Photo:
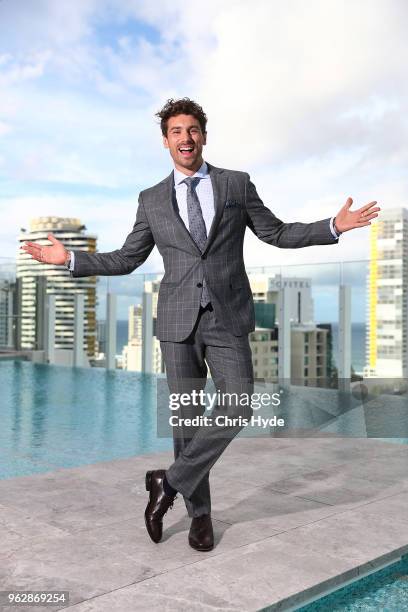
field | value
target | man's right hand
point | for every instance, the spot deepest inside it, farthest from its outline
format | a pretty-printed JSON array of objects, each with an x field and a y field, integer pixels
[{"x": 55, "y": 254}]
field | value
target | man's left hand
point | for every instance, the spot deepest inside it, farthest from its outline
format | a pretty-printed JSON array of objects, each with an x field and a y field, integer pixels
[{"x": 347, "y": 219}]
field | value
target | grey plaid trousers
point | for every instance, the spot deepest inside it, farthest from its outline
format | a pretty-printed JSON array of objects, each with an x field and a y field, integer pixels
[{"x": 197, "y": 448}]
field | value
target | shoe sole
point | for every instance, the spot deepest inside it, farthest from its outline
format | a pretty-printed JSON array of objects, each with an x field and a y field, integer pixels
[{"x": 202, "y": 549}]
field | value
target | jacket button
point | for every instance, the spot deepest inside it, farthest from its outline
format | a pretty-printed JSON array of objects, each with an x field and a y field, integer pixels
[
  {"x": 203, "y": 256},
  {"x": 199, "y": 284}
]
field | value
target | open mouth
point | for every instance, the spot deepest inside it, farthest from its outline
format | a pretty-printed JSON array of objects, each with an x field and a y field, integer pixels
[{"x": 186, "y": 151}]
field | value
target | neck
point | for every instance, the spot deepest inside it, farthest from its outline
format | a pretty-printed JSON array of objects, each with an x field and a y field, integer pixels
[{"x": 190, "y": 171}]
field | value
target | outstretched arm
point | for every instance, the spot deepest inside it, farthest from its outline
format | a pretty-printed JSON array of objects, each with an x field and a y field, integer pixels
[
  {"x": 267, "y": 227},
  {"x": 135, "y": 250}
]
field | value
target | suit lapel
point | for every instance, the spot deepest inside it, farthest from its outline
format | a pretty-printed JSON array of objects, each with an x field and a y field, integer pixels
[{"x": 219, "y": 182}]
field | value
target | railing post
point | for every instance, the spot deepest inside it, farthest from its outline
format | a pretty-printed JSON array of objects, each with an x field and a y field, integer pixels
[
  {"x": 79, "y": 302},
  {"x": 49, "y": 329},
  {"x": 10, "y": 318},
  {"x": 147, "y": 332},
  {"x": 344, "y": 373},
  {"x": 284, "y": 338},
  {"x": 40, "y": 312},
  {"x": 18, "y": 312},
  {"x": 110, "y": 331}
]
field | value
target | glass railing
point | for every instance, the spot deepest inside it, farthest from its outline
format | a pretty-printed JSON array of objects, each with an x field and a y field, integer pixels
[{"x": 313, "y": 298}]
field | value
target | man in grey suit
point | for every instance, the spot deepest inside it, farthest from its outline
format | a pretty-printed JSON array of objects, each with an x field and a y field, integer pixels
[{"x": 197, "y": 217}]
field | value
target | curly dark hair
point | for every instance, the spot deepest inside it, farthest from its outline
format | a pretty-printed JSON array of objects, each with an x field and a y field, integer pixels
[{"x": 183, "y": 106}]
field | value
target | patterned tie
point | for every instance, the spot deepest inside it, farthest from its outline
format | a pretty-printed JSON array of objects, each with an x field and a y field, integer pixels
[{"x": 196, "y": 224}]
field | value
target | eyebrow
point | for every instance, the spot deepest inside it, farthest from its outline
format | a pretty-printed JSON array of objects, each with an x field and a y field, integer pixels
[{"x": 178, "y": 127}]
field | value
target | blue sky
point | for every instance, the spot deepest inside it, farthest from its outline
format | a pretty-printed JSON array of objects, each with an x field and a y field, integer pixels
[{"x": 310, "y": 98}]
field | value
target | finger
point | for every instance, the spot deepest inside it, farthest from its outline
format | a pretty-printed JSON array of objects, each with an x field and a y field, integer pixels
[
  {"x": 371, "y": 216},
  {"x": 366, "y": 207},
  {"x": 368, "y": 214},
  {"x": 32, "y": 244},
  {"x": 33, "y": 252},
  {"x": 367, "y": 211},
  {"x": 363, "y": 222},
  {"x": 366, "y": 217},
  {"x": 35, "y": 255},
  {"x": 348, "y": 203},
  {"x": 32, "y": 247},
  {"x": 52, "y": 239}
]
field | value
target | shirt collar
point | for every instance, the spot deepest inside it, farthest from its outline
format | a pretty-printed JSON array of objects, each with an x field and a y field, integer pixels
[{"x": 202, "y": 173}]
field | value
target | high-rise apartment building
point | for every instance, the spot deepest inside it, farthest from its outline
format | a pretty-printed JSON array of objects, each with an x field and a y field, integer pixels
[
  {"x": 7, "y": 297},
  {"x": 309, "y": 363},
  {"x": 308, "y": 354},
  {"x": 135, "y": 322},
  {"x": 388, "y": 296},
  {"x": 72, "y": 234},
  {"x": 142, "y": 352},
  {"x": 265, "y": 289},
  {"x": 132, "y": 351}
]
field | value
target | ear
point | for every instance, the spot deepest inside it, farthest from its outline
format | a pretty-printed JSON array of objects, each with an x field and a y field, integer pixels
[
  {"x": 165, "y": 142},
  {"x": 205, "y": 138}
]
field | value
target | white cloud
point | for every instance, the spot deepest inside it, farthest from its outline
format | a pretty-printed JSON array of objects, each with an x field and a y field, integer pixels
[
  {"x": 307, "y": 97},
  {"x": 4, "y": 128}
]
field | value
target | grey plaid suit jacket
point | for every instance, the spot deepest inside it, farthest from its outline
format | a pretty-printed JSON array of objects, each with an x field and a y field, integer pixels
[{"x": 237, "y": 206}]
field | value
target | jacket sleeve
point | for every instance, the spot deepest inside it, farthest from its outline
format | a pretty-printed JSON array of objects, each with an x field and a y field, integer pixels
[
  {"x": 134, "y": 251},
  {"x": 267, "y": 227}
]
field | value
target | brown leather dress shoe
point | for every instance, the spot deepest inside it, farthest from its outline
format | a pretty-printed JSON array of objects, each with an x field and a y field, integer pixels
[
  {"x": 158, "y": 504},
  {"x": 201, "y": 536}
]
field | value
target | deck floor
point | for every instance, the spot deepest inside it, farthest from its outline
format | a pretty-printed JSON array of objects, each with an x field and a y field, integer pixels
[{"x": 292, "y": 517}]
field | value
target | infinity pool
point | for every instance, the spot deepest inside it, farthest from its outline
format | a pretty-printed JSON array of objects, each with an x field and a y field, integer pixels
[
  {"x": 54, "y": 417},
  {"x": 382, "y": 591}
]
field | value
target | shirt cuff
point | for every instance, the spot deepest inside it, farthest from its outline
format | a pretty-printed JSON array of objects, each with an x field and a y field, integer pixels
[
  {"x": 71, "y": 261},
  {"x": 335, "y": 234}
]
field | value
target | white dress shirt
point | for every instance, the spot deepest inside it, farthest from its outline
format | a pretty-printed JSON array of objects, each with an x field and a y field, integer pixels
[
  {"x": 205, "y": 195},
  {"x": 204, "y": 192}
]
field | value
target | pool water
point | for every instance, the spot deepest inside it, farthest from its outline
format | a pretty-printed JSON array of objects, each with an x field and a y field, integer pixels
[
  {"x": 382, "y": 591},
  {"x": 53, "y": 416}
]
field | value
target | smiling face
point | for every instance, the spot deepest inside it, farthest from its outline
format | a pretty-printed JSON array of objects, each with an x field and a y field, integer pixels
[{"x": 185, "y": 141}]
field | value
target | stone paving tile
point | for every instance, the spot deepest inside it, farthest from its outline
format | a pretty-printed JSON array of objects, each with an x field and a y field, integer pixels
[
  {"x": 18, "y": 526},
  {"x": 245, "y": 579},
  {"x": 395, "y": 508},
  {"x": 262, "y": 506},
  {"x": 276, "y": 460},
  {"x": 69, "y": 563},
  {"x": 358, "y": 535},
  {"x": 173, "y": 551},
  {"x": 342, "y": 487}
]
